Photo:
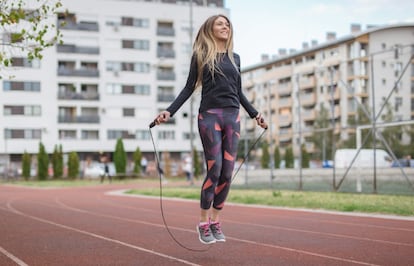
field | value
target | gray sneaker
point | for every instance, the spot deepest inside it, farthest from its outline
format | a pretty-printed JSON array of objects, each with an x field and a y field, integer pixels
[
  {"x": 205, "y": 235},
  {"x": 217, "y": 233}
]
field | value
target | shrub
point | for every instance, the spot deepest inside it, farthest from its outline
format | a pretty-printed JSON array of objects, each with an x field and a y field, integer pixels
[{"x": 73, "y": 165}]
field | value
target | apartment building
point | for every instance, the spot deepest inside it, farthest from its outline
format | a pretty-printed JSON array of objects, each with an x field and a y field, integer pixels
[
  {"x": 120, "y": 64},
  {"x": 339, "y": 74}
]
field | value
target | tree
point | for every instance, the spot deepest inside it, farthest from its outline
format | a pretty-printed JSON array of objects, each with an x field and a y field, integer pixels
[
  {"x": 196, "y": 163},
  {"x": 73, "y": 165},
  {"x": 42, "y": 163},
  {"x": 265, "y": 155},
  {"x": 120, "y": 157},
  {"x": 57, "y": 162},
  {"x": 322, "y": 137},
  {"x": 28, "y": 28},
  {"x": 137, "y": 161},
  {"x": 359, "y": 119},
  {"x": 26, "y": 165},
  {"x": 289, "y": 158},
  {"x": 276, "y": 157},
  {"x": 305, "y": 157}
]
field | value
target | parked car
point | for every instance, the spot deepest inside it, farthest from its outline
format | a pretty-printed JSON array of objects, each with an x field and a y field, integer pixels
[
  {"x": 403, "y": 163},
  {"x": 96, "y": 169}
]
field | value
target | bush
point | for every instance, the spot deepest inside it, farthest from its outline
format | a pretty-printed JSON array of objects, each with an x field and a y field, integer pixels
[
  {"x": 57, "y": 162},
  {"x": 265, "y": 155},
  {"x": 137, "y": 161},
  {"x": 289, "y": 159},
  {"x": 73, "y": 165},
  {"x": 120, "y": 157},
  {"x": 26, "y": 165},
  {"x": 42, "y": 163}
]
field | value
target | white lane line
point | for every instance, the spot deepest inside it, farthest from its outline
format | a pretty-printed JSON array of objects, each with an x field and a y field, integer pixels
[
  {"x": 9, "y": 206},
  {"x": 233, "y": 238},
  {"x": 12, "y": 257},
  {"x": 314, "y": 232}
]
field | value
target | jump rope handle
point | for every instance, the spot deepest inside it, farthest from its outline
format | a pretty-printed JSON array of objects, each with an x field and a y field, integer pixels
[{"x": 152, "y": 124}]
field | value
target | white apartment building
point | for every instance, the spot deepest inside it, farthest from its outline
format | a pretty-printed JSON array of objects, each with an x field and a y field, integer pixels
[
  {"x": 362, "y": 67},
  {"x": 122, "y": 61}
]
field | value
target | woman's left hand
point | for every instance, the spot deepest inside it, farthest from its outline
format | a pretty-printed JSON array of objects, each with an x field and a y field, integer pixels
[{"x": 260, "y": 121}]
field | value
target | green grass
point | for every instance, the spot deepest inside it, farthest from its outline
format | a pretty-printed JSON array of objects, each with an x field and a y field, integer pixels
[
  {"x": 402, "y": 205},
  {"x": 345, "y": 202}
]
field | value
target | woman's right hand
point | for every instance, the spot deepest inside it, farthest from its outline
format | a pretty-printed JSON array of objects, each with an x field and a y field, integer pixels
[{"x": 162, "y": 117}]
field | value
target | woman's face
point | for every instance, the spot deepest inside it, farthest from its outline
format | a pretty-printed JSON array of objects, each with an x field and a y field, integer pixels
[{"x": 221, "y": 29}]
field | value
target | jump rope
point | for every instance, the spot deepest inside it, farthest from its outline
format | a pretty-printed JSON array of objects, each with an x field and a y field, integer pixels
[{"x": 157, "y": 161}]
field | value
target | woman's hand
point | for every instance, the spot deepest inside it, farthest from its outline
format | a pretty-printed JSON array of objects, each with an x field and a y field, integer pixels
[
  {"x": 260, "y": 121},
  {"x": 162, "y": 117}
]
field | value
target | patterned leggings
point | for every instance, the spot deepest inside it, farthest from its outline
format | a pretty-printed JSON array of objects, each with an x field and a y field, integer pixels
[{"x": 219, "y": 132}]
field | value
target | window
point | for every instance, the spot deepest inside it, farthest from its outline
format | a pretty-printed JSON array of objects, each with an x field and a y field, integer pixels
[
  {"x": 135, "y": 22},
  {"x": 21, "y": 86},
  {"x": 24, "y": 62},
  {"x": 128, "y": 112},
  {"x": 29, "y": 110},
  {"x": 90, "y": 134},
  {"x": 67, "y": 134},
  {"x": 142, "y": 135},
  {"x": 136, "y": 44},
  {"x": 166, "y": 135},
  {"x": 23, "y": 134}
]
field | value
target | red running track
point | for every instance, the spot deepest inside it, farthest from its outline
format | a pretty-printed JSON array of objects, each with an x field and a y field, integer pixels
[{"x": 88, "y": 226}]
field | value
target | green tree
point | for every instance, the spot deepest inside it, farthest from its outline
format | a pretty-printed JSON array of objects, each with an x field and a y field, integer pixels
[
  {"x": 28, "y": 27},
  {"x": 196, "y": 164},
  {"x": 276, "y": 157},
  {"x": 305, "y": 157},
  {"x": 265, "y": 155},
  {"x": 26, "y": 165},
  {"x": 57, "y": 162},
  {"x": 42, "y": 163},
  {"x": 359, "y": 119},
  {"x": 73, "y": 165},
  {"x": 322, "y": 137},
  {"x": 137, "y": 161},
  {"x": 120, "y": 157},
  {"x": 393, "y": 135},
  {"x": 289, "y": 159}
]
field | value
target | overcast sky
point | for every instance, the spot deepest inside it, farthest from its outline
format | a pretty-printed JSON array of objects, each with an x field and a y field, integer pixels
[{"x": 265, "y": 26}]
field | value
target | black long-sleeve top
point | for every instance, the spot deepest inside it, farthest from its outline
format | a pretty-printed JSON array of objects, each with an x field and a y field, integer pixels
[{"x": 222, "y": 91}]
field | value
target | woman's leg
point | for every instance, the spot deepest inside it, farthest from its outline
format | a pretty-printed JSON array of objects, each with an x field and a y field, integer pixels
[{"x": 210, "y": 125}]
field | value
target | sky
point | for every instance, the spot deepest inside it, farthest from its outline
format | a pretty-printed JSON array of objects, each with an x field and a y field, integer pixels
[{"x": 265, "y": 26}]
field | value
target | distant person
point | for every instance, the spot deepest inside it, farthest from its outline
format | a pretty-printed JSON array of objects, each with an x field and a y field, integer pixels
[
  {"x": 188, "y": 169},
  {"x": 144, "y": 164},
  {"x": 216, "y": 69},
  {"x": 105, "y": 161}
]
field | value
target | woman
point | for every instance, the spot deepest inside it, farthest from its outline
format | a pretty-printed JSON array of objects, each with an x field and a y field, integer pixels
[{"x": 216, "y": 69}]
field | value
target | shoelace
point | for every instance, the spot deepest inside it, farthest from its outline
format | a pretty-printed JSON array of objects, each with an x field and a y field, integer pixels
[
  {"x": 206, "y": 229},
  {"x": 216, "y": 227}
]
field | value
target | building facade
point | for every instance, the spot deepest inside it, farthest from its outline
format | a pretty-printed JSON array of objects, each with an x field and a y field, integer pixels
[
  {"x": 121, "y": 62},
  {"x": 368, "y": 68}
]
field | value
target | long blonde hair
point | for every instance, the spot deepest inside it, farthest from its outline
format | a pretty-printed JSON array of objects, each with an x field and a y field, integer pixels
[{"x": 205, "y": 48}]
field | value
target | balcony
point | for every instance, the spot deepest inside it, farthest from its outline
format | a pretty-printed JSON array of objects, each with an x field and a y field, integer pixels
[
  {"x": 165, "y": 75},
  {"x": 285, "y": 120},
  {"x": 165, "y": 97},
  {"x": 71, "y": 72},
  {"x": 308, "y": 99},
  {"x": 82, "y": 119},
  {"x": 308, "y": 115},
  {"x": 74, "y": 49},
  {"x": 83, "y": 26},
  {"x": 70, "y": 95},
  {"x": 165, "y": 53},
  {"x": 165, "y": 31},
  {"x": 285, "y": 102}
]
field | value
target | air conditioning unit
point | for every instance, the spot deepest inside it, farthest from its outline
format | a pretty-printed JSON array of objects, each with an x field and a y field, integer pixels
[
  {"x": 116, "y": 73},
  {"x": 116, "y": 28}
]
